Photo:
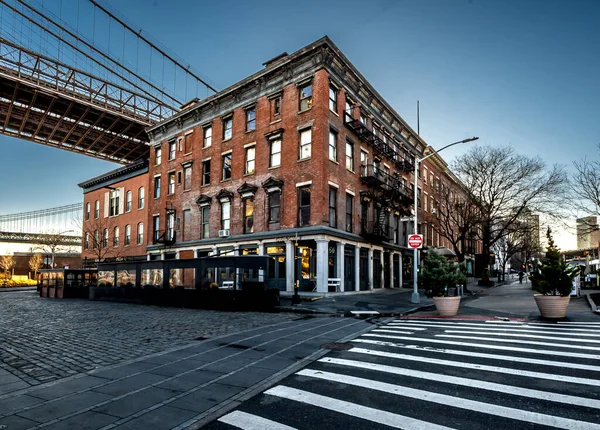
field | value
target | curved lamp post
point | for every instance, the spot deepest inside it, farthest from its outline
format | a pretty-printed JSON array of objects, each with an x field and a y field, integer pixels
[{"x": 415, "y": 295}]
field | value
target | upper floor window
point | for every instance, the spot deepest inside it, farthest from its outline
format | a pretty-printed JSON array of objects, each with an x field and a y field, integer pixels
[
  {"x": 114, "y": 203},
  {"x": 187, "y": 143},
  {"x": 276, "y": 106},
  {"x": 127, "y": 235},
  {"x": 333, "y": 94},
  {"x": 349, "y": 211},
  {"x": 274, "y": 206},
  {"x": 205, "y": 214},
  {"x": 225, "y": 215},
  {"x": 128, "y": 201},
  {"x": 275, "y": 153},
  {"x": 87, "y": 211},
  {"x": 332, "y": 207},
  {"x": 96, "y": 239},
  {"x": 171, "y": 183},
  {"x": 305, "y": 97},
  {"x": 350, "y": 156},
  {"x": 227, "y": 127},
  {"x": 156, "y": 226},
  {"x": 141, "y": 197},
  {"x": 157, "y": 187},
  {"x": 116, "y": 236},
  {"x": 248, "y": 216},
  {"x": 97, "y": 209},
  {"x": 86, "y": 242},
  {"x": 157, "y": 155},
  {"x": 227, "y": 166},
  {"x": 305, "y": 144},
  {"x": 251, "y": 119},
  {"x": 140, "y": 233},
  {"x": 250, "y": 159},
  {"x": 172, "y": 149},
  {"x": 206, "y": 172},
  {"x": 333, "y": 145},
  {"x": 187, "y": 178},
  {"x": 105, "y": 238},
  {"x": 207, "y": 136},
  {"x": 303, "y": 206}
]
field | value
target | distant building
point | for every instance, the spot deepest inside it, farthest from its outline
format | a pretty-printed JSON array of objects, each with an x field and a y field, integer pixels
[{"x": 588, "y": 232}]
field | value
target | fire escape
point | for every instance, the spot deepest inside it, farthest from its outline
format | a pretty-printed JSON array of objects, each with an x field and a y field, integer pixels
[
  {"x": 386, "y": 190},
  {"x": 167, "y": 236}
]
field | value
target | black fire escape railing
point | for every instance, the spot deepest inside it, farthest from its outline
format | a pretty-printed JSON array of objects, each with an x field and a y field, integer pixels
[
  {"x": 166, "y": 237},
  {"x": 375, "y": 230},
  {"x": 390, "y": 186}
]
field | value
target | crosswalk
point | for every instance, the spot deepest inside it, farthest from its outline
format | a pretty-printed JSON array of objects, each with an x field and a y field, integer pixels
[{"x": 441, "y": 374}]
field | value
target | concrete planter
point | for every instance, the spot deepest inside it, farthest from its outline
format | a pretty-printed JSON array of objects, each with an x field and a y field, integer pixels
[
  {"x": 447, "y": 306},
  {"x": 552, "y": 306}
]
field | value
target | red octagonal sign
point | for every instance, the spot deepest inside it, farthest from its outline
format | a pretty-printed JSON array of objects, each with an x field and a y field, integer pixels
[{"x": 415, "y": 240}]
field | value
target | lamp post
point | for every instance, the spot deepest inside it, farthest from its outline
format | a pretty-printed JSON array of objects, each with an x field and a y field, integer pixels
[{"x": 415, "y": 295}]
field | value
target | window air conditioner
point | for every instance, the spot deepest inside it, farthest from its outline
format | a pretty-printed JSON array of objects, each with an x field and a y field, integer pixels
[
  {"x": 433, "y": 211},
  {"x": 223, "y": 233}
]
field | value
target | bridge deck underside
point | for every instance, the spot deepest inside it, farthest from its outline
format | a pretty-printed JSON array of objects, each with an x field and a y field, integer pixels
[{"x": 32, "y": 112}]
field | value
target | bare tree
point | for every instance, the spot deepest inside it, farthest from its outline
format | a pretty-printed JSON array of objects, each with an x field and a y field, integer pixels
[
  {"x": 35, "y": 263},
  {"x": 7, "y": 262},
  {"x": 97, "y": 235},
  {"x": 585, "y": 186},
  {"x": 505, "y": 185},
  {"x": 521, "y": 241},
  {"x": 53, "y": 243}
]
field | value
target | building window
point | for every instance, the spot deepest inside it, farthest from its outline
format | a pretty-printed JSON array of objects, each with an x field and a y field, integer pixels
[
  {"x": 305, "y": 144},
  {"x": 170, "y": 227},
  {"x": 332, "y": 207},
  {"x": 105, "y": 238},
  {"x": 87, "y": 211},
  {"x": 333, "y": 93},
  {"x": 140, "y": 233},
  {"x": 349, "y": 211},
  {"x": 187, "y": 178},
  {"x": 86, "y": 242},
  {"x": 141, "y": 197},
  {"x": 114, "y": 203},
  {"x": 128, "y": 201},
  {"x": 207, "y": 136},
  {"x": 225, "y": 215},
  {"x": 172, "y": 149},
  {"x": 227, "y": 127},
  {"x": 274, "y": 206},
  {"x": 348, "y": 110},
  {"x": 171, "y": 183},
  {"x": 187, "y": 225},
  {"x": 157, "y": 187},
  {"x": 248, "y": 216},
  {"x": 364, "y": 213},
  {"x": 333, "y": 145},
  {"x": 227, "y": 166},
  {"x": 303, "y": 206},
  {"x": 350, "y": 156},
  {"x": 276, "y": 106},
  {"x": 425, "y": 175},
  {"x": 187, "y": 143},
  {"x": 116, "y": 236},
  {"x": 305, "y": 97},
  {"x": 250, "y": 157},
  {"x": 363, "y": 119},
  {"x": 275, "y": 156},
  {"x": 251, "y": 119},
  {"x": 205, "y": 221},
  {"x": 156, "y": 226},
  {"x": 157, "y": 155},
  {"x": 364, "y": 156},
  {"x": 96, "y": 239},
  {"x": 206, "y": 172},
  {"x": 127, "y": 235},
  {"x": 425, "y": 205}
]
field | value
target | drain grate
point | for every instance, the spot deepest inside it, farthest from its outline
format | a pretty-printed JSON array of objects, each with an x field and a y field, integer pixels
[{"x": 338, "y": 346}]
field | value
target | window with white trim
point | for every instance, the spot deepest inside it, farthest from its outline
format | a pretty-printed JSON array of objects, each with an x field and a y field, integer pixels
[
  {"x": 305, "y": 144},
  {"x": 333, "y": 145}
]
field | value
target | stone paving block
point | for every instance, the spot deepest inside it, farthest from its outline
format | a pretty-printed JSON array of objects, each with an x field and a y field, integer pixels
[
  {"x": 49, "y": 411},
  {"x": 179, "y": 367},
  {"x": 127, "y": 385},
  {"x": 85, "y": 421},
  {"x": 67, "y": 387},
  {"x": 13, "y": 386},
  {"x": 229, "y": 365},
  {"x": 248, "y": 377},
  {"x": 276, "y": 363},
  {"x": 14, "y": 422},
  {"x": 123, "y": 371},
  {"x": 165, "y": 417},
  {"x": 205, "y": 398},
  {"x": 130, "y": 405},
  {"x": 190, "y": 381},
  {"x": 8, "y": 406}
]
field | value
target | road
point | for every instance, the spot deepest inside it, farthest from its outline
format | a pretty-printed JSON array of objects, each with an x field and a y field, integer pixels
[{"x": 435, "y": 374}]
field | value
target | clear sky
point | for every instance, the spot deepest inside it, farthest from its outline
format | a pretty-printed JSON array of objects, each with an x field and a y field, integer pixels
[{"x": 524, "y": 73}]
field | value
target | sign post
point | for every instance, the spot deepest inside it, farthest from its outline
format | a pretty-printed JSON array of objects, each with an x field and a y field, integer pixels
[{"x": 415, "y": 241}]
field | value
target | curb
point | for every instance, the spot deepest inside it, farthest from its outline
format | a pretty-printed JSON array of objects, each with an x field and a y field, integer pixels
[
  {"x": 592, "y": 304},
  {"x": 16, "y": 289}
]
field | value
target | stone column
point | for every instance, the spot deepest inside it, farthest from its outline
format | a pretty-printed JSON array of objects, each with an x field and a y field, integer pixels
[
  {"x": 340, "y": 263},
  {"x": 370, "y": 263},
  {"x": 322, "y": 264},
  {"x": 356, "y": 268},
  {"x": 290, "y": 265},
  {"x": 382, "y": 271},
  {"x": 261, "y": 249}
]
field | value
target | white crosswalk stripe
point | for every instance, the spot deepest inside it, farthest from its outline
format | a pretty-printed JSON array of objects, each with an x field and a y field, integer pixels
[{"x": 414, "y": 374}]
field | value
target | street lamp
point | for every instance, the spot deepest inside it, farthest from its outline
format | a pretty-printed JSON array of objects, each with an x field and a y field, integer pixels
[{"x": 415, "y": 295}]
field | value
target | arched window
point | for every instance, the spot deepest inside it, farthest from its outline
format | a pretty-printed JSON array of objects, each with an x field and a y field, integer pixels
[{"x": 140, "y": 233}]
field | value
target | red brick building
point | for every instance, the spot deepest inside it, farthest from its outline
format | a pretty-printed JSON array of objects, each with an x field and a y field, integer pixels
[
  {"x": 115, "y": 213},
  {"x": 303, "y": 161}
]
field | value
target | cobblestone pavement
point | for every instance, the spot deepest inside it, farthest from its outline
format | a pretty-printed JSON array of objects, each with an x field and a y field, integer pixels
[{"x": 42, "y": 340}]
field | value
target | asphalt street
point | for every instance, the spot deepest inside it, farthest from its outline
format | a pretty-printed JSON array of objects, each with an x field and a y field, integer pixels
[{"x": 434, "y": 374}]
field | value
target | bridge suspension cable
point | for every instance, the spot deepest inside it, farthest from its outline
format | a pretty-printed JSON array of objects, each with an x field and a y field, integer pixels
[{"x": 63, "y": 219}]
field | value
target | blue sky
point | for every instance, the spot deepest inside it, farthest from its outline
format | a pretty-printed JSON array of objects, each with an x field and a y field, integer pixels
[{"x": 524, "y": 73}]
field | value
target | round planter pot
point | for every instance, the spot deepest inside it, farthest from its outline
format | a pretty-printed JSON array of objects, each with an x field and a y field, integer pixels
[
  {"x": 552, "y": 306},
  {"x": 447, "y": 306}
]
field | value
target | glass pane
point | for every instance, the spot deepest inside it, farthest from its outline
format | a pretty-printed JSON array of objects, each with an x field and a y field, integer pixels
[{"x": 106, "y": 278}]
